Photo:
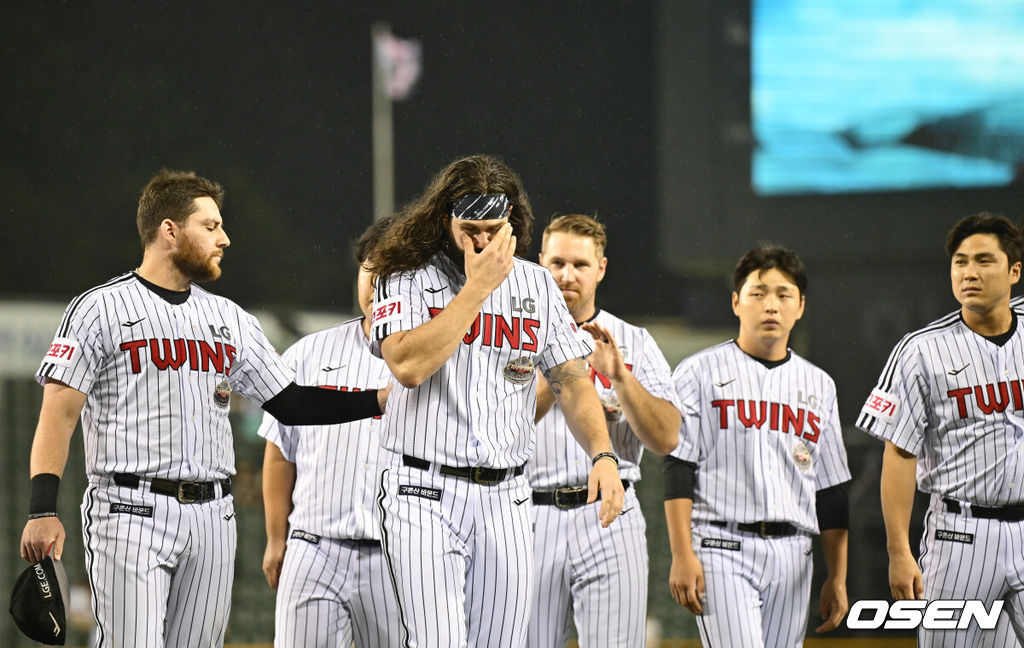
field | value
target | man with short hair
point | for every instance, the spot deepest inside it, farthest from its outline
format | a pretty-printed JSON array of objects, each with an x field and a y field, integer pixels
[
  {"x": 593, "y": 575},
  {"x": 462, "y": 323},
  {"x": 760, "y": 468},
  {"x": 323, "y": 553},
  {"x": 150, "y": 361},
  {"x": 948, "y": 406}
]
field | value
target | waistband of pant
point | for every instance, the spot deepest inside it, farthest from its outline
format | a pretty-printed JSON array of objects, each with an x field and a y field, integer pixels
[
  {"x": 185, "y": 492},
  {"x": 477, "y": 475},
  {"x": 567, "y": 497},
  {"x": 1011, "y": 513},
  {"x": 765, "y": 529}
]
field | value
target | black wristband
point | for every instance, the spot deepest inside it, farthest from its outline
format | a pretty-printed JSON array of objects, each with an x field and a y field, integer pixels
[
  {"x": 602, "y": 455},
  {"x": 43, "y": 502}
]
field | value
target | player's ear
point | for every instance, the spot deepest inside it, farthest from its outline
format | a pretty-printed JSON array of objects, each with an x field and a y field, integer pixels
[
  {"x": 803, "y": 302},
  {"x": 168, "y": 230},
  {"x": 1015, "y": 273},
  {"x": 735, "y": 303},
  {"x": 602, "y": 266}
]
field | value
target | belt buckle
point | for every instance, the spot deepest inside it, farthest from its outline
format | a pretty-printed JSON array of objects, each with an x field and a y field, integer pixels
[
  {"x": 763, "y": 530},
  {"x": 187, "y": 492},
  {"x": 477, "y": 476},
  {"x": 566, "y": 506}
]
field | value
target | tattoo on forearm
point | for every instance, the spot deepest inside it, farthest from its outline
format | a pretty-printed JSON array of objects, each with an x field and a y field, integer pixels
[{"x": 565, "y": 373}]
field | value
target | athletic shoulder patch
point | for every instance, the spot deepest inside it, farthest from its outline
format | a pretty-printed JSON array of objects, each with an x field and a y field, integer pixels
[
  {"x": 881, "y": 405},
  {"x": 389, "y": 310},
  {"x": 62, "y": 352}
]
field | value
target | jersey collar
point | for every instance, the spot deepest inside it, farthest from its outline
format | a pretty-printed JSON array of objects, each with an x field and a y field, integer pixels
[
  {"x": 174, "y": 297},
  {"x": 1002, "y": 338},
  {"x": 771, "y": 364}
]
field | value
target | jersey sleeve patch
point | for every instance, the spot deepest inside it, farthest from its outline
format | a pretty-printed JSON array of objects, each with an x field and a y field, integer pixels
[
  {"x": 389, "y": 310},
  {"x": 63, "y": 352},
  {"x": 881, "y": 405}
]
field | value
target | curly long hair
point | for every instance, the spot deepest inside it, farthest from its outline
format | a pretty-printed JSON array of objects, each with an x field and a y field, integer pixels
[{"x": 422, "y": 231}]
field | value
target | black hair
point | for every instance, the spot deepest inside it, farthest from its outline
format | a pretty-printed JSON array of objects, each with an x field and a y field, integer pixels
[
  {"x": 765, "y": 256},
  {"x": 1010, "y": 240}
]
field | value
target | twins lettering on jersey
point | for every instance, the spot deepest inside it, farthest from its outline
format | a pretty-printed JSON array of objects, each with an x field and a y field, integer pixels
[
  {"x": 985, "y": 397},
  {"x": 495, "y": 330},
  {"x": 779, "y": 416},
  {"x": 173, "y": 354}
]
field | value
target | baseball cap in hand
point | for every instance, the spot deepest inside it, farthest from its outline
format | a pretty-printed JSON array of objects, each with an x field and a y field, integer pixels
[{"x": 39, "y": 602}]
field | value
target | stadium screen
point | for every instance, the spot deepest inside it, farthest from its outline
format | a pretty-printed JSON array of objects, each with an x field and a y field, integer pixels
[{"x": 886, "y": 95}]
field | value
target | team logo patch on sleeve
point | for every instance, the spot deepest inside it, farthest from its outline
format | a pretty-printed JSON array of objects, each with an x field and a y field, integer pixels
[
  {"x": 519, "y": 371},
  {"x": 63, "y": 352},
  {"x": 881, "y": 405},
  {"x": 389, "y": 310}
]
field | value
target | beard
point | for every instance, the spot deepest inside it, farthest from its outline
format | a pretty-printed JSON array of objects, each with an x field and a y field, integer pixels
[{"x": 194, "y": 263}]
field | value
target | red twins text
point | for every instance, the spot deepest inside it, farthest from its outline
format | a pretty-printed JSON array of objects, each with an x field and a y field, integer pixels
[
  {"x": 779, "y": 416},
  {"x": 495, "y": 330},
  {"x": 991, "y": 398},
  {"x": 173, "y": 354}
]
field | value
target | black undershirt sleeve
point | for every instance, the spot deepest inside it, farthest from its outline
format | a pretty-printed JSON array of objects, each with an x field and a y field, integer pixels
[
  {"x": 680, "y": 478},
  {"x": 299, "y": 405},
  {"x": 833, "y": 507}
]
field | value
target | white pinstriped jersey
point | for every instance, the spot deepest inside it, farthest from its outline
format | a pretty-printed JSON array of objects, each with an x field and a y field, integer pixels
[
  {"x": 558, "y": 460},
  {"x": 337, "y": 466},
  {"x": 478, "y": 408},
  {"x": 956, "y": 400},
  {"x": 151, "y": 370},
  {"x": 765, "y": 440}
]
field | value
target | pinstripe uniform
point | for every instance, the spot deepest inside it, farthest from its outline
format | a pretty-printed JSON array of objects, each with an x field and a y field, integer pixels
[
  {"x": 765, "y": 437},
  {"x": 157, "y": 376},
  {"x": 461, "y": 553},
  {"x": 334, "y": 585},
  {"x": 598, "y": 574},
  {"x": 954, "y": 399}
]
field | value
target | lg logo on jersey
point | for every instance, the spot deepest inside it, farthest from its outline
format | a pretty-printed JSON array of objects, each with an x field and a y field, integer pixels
[{"x": 930, "y": 615}]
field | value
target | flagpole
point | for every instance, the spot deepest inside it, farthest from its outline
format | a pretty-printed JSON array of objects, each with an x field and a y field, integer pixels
[{"x": 383, "y": 130}]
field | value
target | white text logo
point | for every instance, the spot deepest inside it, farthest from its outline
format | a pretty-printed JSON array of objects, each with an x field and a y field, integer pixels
[{"x": 931, "y": 615}]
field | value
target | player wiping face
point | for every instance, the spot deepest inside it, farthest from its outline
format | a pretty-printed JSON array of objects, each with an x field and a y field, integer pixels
[{"x": 482, "y": 221}]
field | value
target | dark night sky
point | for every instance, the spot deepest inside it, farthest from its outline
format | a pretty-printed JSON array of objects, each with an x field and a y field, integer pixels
[{"x": 274, "y": 102}]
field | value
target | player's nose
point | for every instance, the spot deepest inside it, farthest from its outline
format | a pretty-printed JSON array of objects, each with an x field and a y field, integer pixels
[{"x": 224, "y": 240}]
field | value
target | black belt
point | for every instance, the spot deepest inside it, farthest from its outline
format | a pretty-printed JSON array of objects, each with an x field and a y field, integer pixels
[
  {"x": 566, "y": 498},
  {"x": 477, "y": 475},
  {"x": 1014, "y": 513},
  {"x": 186, "y": 492},
  {"x": 763, "y": 529}
]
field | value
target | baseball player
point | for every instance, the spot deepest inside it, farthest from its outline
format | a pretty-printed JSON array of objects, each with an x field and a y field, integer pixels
[
  {"x": 759, "y": 469},
  {"x": 462, "y": 323},
  {"x": 332, "y": 584},
  {"x": 948, "y": 405},
  {"x": 150, "y": 361},
  {"x": 600, "y": 574}
]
